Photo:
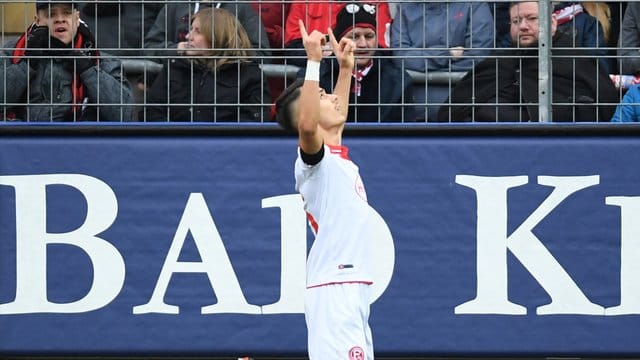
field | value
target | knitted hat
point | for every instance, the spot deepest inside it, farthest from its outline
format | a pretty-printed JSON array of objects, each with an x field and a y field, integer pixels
[
  {"x": 44, "y": 4},
  {"x": 355, "y": 15}
]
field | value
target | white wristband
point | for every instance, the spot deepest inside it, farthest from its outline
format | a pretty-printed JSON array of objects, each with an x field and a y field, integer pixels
[{"x": 312, "y": 72}]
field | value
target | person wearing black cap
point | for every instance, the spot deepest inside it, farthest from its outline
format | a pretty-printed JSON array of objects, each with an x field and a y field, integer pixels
[
  {"x": 55, "y": 63},
  {"x": 381, "y": 91}
]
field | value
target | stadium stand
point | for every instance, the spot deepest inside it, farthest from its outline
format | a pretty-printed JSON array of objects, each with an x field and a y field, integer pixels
[{"x": 140, "y": 67}]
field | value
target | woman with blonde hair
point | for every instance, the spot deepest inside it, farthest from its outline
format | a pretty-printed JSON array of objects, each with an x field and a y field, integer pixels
[{"x": 214, "y": 79}]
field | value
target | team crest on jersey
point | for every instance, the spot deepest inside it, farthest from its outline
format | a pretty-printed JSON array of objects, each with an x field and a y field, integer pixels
[
  {"x": 360, "y": 189},
  {"x": 356, "y": 353}
]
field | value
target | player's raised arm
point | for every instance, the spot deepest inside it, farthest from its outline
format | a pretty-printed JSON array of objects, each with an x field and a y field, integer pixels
[
  {"x": 309, "y": 109},
  {"x": 344, "y": 54}
]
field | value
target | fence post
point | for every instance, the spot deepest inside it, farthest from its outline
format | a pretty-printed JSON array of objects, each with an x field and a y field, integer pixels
[{"x": 544, "y": 64}]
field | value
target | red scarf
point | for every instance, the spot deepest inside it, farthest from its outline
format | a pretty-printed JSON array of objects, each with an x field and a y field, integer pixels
[
  {"x": 567, "y": 13},
  {"x": 359, "y": 74},
  {"x": 77, "y": 89}
]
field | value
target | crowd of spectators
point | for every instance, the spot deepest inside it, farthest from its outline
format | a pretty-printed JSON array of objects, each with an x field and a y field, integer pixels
[{"x": 227, "y": 61}]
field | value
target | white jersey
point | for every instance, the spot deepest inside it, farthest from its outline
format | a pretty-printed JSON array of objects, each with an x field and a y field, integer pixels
[{"x": 336, "y": 204}]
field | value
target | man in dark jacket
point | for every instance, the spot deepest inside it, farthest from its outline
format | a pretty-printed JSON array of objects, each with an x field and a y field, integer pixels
[
  {"x": 54, "y": 73},
  {"x": 381, "y": 90},
  {"x": 505, "y": 88}
]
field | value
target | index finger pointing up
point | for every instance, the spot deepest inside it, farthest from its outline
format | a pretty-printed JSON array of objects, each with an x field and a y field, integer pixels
[
  {"x": 334, "y": 42},
  {"x": 303, "y": 30}
]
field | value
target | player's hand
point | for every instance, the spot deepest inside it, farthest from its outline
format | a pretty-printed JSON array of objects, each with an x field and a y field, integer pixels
[
  {"x": 312, "y": 42},
  {"x": 343, "y": 50}
]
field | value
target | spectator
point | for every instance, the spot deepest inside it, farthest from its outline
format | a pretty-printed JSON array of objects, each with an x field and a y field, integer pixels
[
  {"x": 572, "y": 17},
  {"x": 629, "y": 40},
  {"x": 440, "y": 37},
  {"x": 172, "y": 25},
  {"x": 506, "y": 88},
  {"x": 55, "y": 71},
  {"x": 377, "y": 79},
  {"x": 588, "y": 31},
  {"x": 214, "y": 79},
  {"x": 629, "y": 109},
  {"x": 321, "y": 16}
]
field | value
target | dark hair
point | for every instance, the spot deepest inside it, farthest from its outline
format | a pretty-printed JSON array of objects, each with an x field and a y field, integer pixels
[{"x": 284, "y": 113}]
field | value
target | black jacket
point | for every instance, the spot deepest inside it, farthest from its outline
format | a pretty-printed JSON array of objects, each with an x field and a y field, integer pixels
[
  {"x": 190, "y": 92},
  {"x": 578, "y": 83},
  {"x": 385, "y": 84}
]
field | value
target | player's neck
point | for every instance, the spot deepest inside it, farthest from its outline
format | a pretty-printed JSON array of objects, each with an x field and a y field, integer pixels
[{"x": 333, "y": 136}]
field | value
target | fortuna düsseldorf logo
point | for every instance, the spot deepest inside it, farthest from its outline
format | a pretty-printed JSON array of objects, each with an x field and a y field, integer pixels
[{"x": 356, "y": 353}]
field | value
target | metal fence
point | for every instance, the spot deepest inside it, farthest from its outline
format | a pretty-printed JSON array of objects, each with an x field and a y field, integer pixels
[{"x": 428, "y": 55}]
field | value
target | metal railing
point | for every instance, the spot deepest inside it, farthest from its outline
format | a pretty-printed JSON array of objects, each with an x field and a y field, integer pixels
[{"x": 278, "y": 66}]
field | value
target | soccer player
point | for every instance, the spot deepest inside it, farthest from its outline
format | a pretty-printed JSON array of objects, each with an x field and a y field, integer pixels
[{"x": 339, "y": 276}]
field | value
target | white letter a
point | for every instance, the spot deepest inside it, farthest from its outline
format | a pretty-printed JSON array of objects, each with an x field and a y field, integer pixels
[{"x": 215, "y": 263}]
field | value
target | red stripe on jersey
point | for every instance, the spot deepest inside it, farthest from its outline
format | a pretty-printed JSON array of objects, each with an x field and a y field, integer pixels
[
  {"x": 313, "y": 223},
  {"x": 343, "y": 151}
]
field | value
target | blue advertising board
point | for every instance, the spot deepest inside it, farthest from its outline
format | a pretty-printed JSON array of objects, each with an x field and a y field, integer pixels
[{"x": 196, "y": 245}]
